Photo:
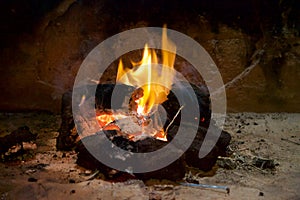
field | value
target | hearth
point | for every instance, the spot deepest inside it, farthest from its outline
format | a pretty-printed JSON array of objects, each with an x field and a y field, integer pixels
[{"x": 139, "y": 108}]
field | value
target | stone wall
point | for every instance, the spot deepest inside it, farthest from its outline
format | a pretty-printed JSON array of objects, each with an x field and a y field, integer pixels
[{"x": 39, "y": 63}]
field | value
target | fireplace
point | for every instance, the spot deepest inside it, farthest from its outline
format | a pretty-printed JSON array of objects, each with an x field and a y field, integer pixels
[
  {"x": 140, "y": 108},
  {"x": 254, "y": 45}
]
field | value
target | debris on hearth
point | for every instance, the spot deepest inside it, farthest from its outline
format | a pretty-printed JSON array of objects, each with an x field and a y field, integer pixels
[
  {"x": 246, "y": 159},
  {"x": 16, "y": 143}
]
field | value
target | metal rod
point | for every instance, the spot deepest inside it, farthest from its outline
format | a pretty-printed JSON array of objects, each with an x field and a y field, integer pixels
[
  {"x": 174, "y": 118},
  {"x": 207, "y": 186}
]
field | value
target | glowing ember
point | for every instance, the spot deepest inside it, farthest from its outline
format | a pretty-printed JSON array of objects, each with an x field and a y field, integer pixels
[
  {"x": 105, "y": 118},
  {"x": 133, "y": 127}
]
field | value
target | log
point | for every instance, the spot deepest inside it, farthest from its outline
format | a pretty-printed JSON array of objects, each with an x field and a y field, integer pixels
[
  {"x": 175, "y": 170},
  {"x": 16, "y": 137},
  {"x": 66, "y": 139},
  {"x": 172, "y": 105},
  {"x": 68, "y": 135},
  {"x": 206, "y": 163}
]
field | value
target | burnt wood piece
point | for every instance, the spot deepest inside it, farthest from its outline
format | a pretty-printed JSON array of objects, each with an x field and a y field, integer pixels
[
  {"x": 172, "y": 105},
  {"x": 191, "y": 154},
  {"x": 68, "y": 136},
  {"x": 22, "y": 134},
  {"x": 104, "y": 94},
  {"x": 67, "y": 133},
  {"x": 174, "y": 171},
  {"x": 140, "y": 146},
  {"x": 219, "y": 149}
]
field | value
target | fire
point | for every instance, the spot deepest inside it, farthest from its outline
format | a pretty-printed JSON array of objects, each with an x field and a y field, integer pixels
[
  {"x": 153, "y": 93},
  {"x": 153, "y": 86},
  {"x": 106, "y": 118}
]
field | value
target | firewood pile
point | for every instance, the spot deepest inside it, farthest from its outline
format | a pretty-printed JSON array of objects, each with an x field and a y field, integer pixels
[{"x": 123, "y": 135}]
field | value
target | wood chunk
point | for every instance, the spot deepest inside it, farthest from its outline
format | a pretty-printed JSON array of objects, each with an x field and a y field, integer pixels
[
  {"x": 206, "y": 163},
  {"x": 121, "y": 130},
  {"x": 172, "y": 104},
  {"x": 264, "y": 163},
  {"x": 67, "y": 132},
  {"x": 174, "y": 171},
  {"x": 68, "y": 135},
  {"x": 17, "y": 137}
]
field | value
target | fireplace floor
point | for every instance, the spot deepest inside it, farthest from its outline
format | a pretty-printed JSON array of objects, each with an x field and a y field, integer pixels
[{"x": 45, "y": 173}]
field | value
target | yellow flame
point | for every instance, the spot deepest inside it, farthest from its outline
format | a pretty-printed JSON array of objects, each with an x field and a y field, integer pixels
[{"x": 153, "y": 93}]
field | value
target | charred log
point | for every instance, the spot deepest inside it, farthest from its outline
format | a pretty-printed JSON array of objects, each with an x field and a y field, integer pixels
[
  {"x": 68, "y": 135},
  {"x": 174, "y": 171},
  {"x": 172, "y": 105},
  {"x": 104, "y": 92},
  {"x": 66, "y": 139},
  {"x": 17, "y": 137},
  {"x": 219, "y": 149}
]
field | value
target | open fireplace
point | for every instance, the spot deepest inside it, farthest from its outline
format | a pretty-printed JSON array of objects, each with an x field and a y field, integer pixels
[
  {"x": 142, "y": 124},
  {"x": 140, "y": 108}
]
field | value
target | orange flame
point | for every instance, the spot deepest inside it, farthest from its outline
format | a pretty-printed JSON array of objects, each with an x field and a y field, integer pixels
[
  {"x": 105, "y": 118},
  {"x": 153, "y": 93}
]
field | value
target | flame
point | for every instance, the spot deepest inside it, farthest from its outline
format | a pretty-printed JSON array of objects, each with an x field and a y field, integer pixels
[
  {"x": 153, "y": 93},
  {"x": 161, "y": 135},
  {"x": 153, "y": 86},
  {"x": 105, "y": 118}
]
